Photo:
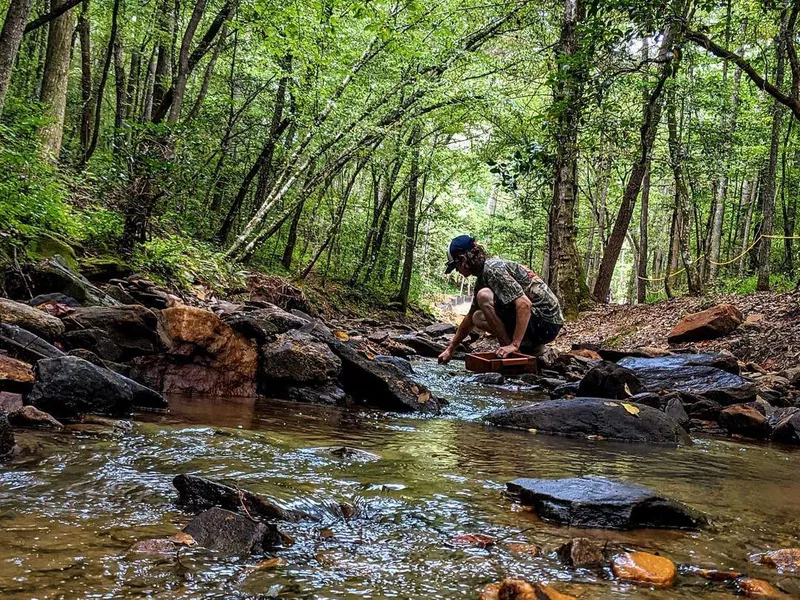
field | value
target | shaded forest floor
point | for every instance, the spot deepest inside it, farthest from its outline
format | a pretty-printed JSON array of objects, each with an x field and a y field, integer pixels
[{"x": 769, "y": 337}]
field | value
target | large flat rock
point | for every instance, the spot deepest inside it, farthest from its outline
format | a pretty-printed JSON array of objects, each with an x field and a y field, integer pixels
[
  {"x": 602, "y": 503},
  {"x": 231, "y": 533},
  {"x": 584, "y": 417},
  {"x": 697, "y": 374}
]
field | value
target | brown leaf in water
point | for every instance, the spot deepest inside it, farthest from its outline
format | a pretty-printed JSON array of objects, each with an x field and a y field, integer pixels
[
  {"x": 269, "y": 563},
  {"x": 714, "y": 575},
  {"x": 182, "y": 539},
  {"x": 424, "y": 397},
  {"x": 474, "y": 539},
  {"x": 326, "y": 533}
]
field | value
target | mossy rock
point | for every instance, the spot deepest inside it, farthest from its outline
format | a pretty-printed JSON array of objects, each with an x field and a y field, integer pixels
[
  {"x": 103, "y": 268},
  {"x": 43, "y": 246}
]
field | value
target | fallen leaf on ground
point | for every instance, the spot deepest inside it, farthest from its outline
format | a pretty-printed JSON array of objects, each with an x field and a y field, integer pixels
[{"x": 341, "y": 335}]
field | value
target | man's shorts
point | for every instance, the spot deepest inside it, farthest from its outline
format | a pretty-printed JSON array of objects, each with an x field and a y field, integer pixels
[{"x": 538, "y": 333}]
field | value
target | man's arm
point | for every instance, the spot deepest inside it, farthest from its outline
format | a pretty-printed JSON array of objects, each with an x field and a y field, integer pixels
[
  {"x": 522, "y": 306},
  {"x": 463, "y": 331}
]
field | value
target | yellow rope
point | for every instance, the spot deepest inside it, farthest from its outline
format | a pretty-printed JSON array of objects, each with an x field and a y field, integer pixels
[{"x": 727, "y": 262}]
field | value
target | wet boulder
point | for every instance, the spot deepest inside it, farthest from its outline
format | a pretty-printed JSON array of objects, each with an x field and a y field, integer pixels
[
  {"x": 15, "y": 376},
  {"x": 674, "y": 408},
  {"x": 642, "y": 567},
  {"x": 199, "y": 492},
  {"x": 24, "y": 345},
  {"x": 609, "y": 380},
  {"x": 263, "y": 322},
  {"x": 380, "y": 384},
  {"x": 69, "y": 387},
  {"x": 30, "y": 416},
  {"x": 692, "y": 374},
  {"x": 133, "y": 329},
  {"x": 401, "y": 363},
  {"x": 9, "y": 402},
  {"x": 597, "y": 502},
  {"x": 326, "y": 393},
  {"x": 593, "y": 417},
  {"x": 231, "y": 533},
  {"x": 94, "y": 340},
  {"x": 785, "y": 425},
  {"x": 205, "y": 356},
  {"x": 439, "y": 329},
  {"x": 744, "y": 419},
  {"x": 56, "y": 276},
  {"x": 424, "y": 346},
  {"x": 715, "y": 322},
  {"x": 6, "y": 436},
  {"x": 298, "y": 358},
  {"x": 36, "y": 321},
  {"x": 581, "y": 553},
  {"x": 705, "y": 410}
]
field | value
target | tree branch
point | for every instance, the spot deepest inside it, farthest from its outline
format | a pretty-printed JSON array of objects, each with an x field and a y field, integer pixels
[{"x": 50, "y": 16}]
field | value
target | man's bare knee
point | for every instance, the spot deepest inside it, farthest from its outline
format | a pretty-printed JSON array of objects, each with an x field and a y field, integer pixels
[
  {"x": 485, "y": 297},
  {"x": 479, "y": 320}
]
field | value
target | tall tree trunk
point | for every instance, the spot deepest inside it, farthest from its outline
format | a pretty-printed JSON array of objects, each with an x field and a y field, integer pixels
[
  {"x": 165, "y": 28},
  {"x": 747, "y": 226},
  {"x": 149, "y": 88},
  {"x": 647, "y": 135},
  {"x": 789, "y": 216},
  {"x": 10, "y": 40},
  {"x": 291, "y": 238},
  {"x": 87, "y": 108},
  {"x": 411, "y": 225},
  {"x": 681, "y": 199},
  {"x": 55, "y": 81},
  {"x": 672, "y": 254},
  {"x": 564, "y": 265},
  {"x": 179, "y": 85},
  {"x": 121, "y": 87},
  {"x": 641, "y": 268},
  {"x": 768, "y": 189}
]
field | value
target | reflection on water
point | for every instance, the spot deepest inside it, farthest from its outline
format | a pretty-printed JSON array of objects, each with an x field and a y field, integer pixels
[{"x": 71, "y": 506}]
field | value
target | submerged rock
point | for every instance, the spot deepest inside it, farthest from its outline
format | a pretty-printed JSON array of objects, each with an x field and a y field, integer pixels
[
  {"x": 200, "y": 492},
  {"x": 609, "y": 380},
  {"x": 69, "y": 387},
  {"x": 715, "y": 322},
  {"x": 596, "y": 417},
  {"x": 27, "y": 317},
  {"x": 785, "y": 559},
  {"x": 758, "y": 588},
  {"x": 233, "y": 534},
  {"x": 327, "y": 393},
  {"x": 519, "y": 589},
  {"x": 581, "y": 552},
  {"x": 597, "y": 502},
  {"x": 380, "y": 384},
  {"x": 643, "y": 567}
]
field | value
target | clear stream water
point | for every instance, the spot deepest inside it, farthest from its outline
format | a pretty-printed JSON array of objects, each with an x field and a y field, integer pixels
[{"x": 72, "y": 505}]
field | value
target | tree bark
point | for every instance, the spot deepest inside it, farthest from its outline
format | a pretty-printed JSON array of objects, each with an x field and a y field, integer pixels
[
  {"x": 747, "y": 226},
  {"x": 179, "y": 85},
  {"x": 564, "y": 264},
  {"x": 641, "y": 268},
  {"x": 411, "y": 225},
  {"x": 121, "y": 87},
  {"x": 10, "y": 40},
  {"x": 87, "y": 108},
  {"x": 647, "y": 135},
  {"x": 768, "y": 189}
]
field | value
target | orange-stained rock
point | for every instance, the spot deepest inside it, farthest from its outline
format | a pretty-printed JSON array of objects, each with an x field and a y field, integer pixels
[
  {"x": 518, "y": 589},
  {"x": 744, "y": 419},
  {"x": 705, "y": 325},
  {"x": 206, "y": 357},
  {"x": 15, "y": 375},
  {"x": 585, "y": 353},
  {"x": 644, "y": 568},
  {"x": 758, "y": 588},
  {"x": 785, "y": 559}
]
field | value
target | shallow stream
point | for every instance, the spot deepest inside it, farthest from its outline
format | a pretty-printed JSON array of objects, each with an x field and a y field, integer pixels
[{"x": 72, "y": 505}]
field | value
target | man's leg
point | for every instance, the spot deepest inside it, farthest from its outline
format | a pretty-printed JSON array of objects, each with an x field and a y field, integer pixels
[{"x": 489, "y": 321}]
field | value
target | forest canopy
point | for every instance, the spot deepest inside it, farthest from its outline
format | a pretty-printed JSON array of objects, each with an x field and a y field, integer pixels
[{"x": 624, "y": 149}]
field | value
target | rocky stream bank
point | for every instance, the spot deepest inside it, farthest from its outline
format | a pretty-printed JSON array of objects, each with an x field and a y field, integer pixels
[{"x": 78, "y": 353}]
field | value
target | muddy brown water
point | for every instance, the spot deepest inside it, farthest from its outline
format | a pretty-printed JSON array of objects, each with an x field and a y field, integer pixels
[{"x": 71, "y": 506}]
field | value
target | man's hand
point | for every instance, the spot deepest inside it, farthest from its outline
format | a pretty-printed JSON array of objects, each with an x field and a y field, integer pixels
[
  {"x": 504, "y": 351},
  {"x": 445, "y": 356}
]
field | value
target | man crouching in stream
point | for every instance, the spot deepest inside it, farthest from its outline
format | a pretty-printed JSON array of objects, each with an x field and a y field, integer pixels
[{"x": 511, "y": 302}]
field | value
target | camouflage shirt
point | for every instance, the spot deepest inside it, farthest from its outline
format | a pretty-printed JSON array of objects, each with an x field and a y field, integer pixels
[{"x": 510, "y": 280}]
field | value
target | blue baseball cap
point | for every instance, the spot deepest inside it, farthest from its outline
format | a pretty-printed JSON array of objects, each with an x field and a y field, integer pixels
[{"x": 457, "y": 247}]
